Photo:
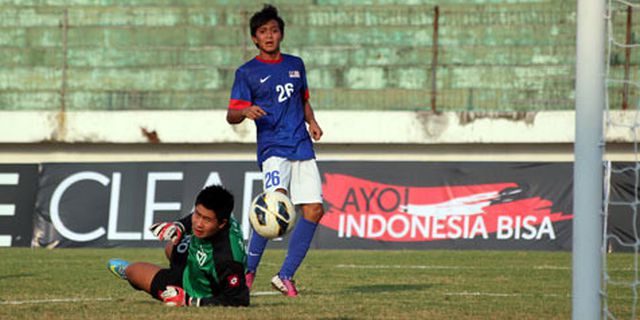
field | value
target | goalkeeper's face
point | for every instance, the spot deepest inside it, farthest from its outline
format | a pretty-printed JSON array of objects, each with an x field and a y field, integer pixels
[{"x": 205, "y": 223}]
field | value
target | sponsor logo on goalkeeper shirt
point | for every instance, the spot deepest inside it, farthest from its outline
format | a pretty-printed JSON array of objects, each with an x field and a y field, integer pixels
[
  {"x": 233, "y": 280},
  {"x": 201, "y": 255},
  {"x": 371, "y": 210}
]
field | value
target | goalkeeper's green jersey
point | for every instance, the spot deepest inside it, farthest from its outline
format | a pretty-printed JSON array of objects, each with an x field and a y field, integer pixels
[{"x": 215, "y": 267}]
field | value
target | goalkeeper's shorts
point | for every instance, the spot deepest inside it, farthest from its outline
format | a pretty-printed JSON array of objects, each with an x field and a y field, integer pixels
[{"x": 164, "y": 278}]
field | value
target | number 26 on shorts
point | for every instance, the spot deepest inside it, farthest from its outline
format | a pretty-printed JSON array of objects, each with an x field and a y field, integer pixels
[{"x": 272, "y": 179}]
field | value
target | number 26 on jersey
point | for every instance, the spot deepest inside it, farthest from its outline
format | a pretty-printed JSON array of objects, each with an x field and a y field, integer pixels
[{"x": 284, "y": 92}]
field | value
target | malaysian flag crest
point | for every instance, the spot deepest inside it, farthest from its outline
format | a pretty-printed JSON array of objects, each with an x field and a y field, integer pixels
[{"x": 294, "y": 74}]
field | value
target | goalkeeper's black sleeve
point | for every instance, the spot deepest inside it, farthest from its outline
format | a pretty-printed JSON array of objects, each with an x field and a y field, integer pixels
[
  {"x": 231, "y": 290},
  {"x": 186, "y": 222}
]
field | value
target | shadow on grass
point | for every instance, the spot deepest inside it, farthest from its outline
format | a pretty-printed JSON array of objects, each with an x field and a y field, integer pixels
[
  {"x": 151, "y": 301},
  {"x": 387, "y": 287},
  {"x": 17, "y": 275}
]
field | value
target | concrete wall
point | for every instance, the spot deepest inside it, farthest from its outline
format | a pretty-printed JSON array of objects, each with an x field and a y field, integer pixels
[{"x": 28, "y": 136}]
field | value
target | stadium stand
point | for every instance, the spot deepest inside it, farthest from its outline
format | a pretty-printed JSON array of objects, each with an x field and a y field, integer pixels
[{"x": 493, "y": 55}]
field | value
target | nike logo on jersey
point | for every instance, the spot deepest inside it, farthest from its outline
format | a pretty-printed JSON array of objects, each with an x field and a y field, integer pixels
[{"x": 265, "y": 79}]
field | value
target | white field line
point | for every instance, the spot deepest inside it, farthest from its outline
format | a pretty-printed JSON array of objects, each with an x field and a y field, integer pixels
[
  {"x": 74, "y": 300},
  {"x": 347, "y": 266},
  {"x": 274, "y": 293},
  {"x": 496, "y": 294},
  {"x": 67, "y": 300},
  {"x": 546, "y": 267},
  {"x": 434, "y": 267},
  {"x": 475, "y": 294},
  {"x": 398, "y": 266}
]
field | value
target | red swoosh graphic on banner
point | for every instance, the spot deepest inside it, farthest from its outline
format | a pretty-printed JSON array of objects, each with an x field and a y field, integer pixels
[{"x": 372, "y": 210}]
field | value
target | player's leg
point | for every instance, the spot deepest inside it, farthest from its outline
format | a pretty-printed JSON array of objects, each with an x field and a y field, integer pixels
[
  {"x": 306, "y": 191},
  {"x": 151, "y": 278},
  {"x": 164, "y": 278},
  {"x": 276, "y": 173},
  {"x": 301, "y": 238},
  {"x": 257, "y": 244},
  {"x": 118, "y": 267},
  {"x": 141, "y": 274}
]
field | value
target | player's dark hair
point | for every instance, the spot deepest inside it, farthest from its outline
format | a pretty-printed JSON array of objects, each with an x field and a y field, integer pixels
[
  {"x": 218, "y": 199},
  {"x": 263, "y": 16}
]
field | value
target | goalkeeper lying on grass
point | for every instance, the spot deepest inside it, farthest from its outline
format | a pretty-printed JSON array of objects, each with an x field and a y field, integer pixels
[{"x": 206, "y": 254}]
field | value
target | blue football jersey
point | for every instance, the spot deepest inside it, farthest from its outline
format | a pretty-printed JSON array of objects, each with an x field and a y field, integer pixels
[{"x": 279, "y": 87}]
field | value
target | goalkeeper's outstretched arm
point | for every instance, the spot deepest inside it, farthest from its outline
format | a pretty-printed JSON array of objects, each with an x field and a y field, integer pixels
[
  {"x": 186, "y": 222},
  {"x": 172, "y": 230}
]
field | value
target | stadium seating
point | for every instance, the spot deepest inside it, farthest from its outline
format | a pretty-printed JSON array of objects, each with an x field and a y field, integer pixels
[{"x": 493, "y": 55}]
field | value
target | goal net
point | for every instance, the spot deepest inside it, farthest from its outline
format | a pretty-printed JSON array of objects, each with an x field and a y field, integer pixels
[{"x": 620, "y": 246}]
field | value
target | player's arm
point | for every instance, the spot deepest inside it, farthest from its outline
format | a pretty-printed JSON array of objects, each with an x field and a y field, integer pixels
[
  {"x": 234, "y": 291},
  {"x": 252, "y": 112},
  {"x": 241, "y": 101},
  {"x": 314, "y": 128},
  {"x": 186, "y": 223}
]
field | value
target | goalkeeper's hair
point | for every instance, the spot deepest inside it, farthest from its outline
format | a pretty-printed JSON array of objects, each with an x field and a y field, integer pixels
[
  {"x": 218, "y": 199},
  {"x": 263, "y": 16}
]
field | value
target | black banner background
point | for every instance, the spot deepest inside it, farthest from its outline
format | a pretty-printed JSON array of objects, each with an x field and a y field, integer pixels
[
  {"x": 84, "y": 208},
  {"x": 623, "y": 208},
  {"x": 22, "y": 195}
]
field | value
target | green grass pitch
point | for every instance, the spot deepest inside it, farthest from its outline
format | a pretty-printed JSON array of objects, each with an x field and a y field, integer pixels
[{"x": 333, "y": 284}]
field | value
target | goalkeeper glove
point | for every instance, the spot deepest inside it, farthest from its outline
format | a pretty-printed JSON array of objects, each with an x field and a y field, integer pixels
[
  {"x": 174, "y": 297},
  {"x": 168, "y": 231}
]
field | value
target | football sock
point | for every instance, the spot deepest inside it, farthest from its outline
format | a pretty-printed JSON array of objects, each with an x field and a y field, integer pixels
[
  {"x": 298, "y": 246},
  {"x": 256, "y": 248}
]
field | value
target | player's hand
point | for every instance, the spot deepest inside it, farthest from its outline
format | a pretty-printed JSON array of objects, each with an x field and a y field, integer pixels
[
  {"x": 174, "y": 296},
  {"x": 168, "y": 231},
  {"x": 253, "y": 112},
  {"x": 315, "y": 131}
]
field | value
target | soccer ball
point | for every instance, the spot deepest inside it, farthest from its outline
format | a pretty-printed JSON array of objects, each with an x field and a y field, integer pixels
[{"x": 272, "y": 214}]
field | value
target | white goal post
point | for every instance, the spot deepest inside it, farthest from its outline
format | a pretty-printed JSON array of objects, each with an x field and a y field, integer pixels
[{"x": 588, "y": 151}]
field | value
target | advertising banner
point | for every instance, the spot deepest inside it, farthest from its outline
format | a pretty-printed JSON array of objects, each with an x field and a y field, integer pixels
[
  {"x": 448, "y": 205},
  {"x": 18, "y": 188},
  {"x": 113, "y": 204},
  {"x": 623, "y": 221},
  {"x": 369, "y": 205}
]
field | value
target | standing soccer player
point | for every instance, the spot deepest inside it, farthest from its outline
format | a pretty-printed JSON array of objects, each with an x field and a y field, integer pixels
[
  {"x": 207, "y": 263},
  {"x": 271, "y": 89}
]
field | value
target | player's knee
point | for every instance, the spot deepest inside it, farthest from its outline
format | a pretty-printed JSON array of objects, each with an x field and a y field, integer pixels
[
  {"x": 313, "y": 212},
  {"x": 141, "y": 274},
  {"x": 134, "y": 270}
]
